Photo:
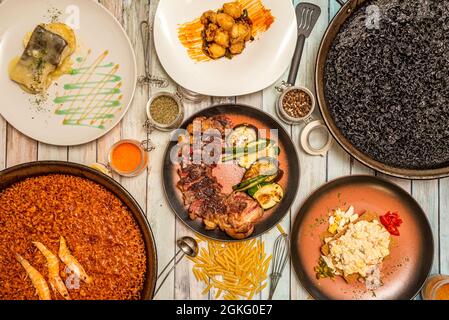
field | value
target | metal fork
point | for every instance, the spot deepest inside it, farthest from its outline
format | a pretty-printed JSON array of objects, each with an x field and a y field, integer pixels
[
  {"x": 280, "y": 258},
  {"x": 307, "y": 15}
]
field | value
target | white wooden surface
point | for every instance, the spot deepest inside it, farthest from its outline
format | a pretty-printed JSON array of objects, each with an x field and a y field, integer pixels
[{"x": 147, "y": 188}]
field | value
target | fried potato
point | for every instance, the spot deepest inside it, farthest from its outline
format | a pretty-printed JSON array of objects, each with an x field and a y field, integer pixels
[
  {"x": 225, "y": 21},
  {"x": 240, "y": 32},
  {"x": 209, "y": 17},
  {"x": 216, "y": 51},
  {"x": 226, "y": 31},
  {"x": 237, "y": 47},
  {"x": 233, "y": 9},
  {"x": 222, "y": 38},
  {"x": 211, "y": 31}
]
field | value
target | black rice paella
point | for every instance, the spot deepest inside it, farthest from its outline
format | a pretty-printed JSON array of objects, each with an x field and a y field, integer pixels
[{"x": 387, "y": 82}]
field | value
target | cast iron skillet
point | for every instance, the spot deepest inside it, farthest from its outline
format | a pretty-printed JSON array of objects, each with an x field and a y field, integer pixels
[
  {"x": 170, "y": 176},
  {"x": 404, "y": 271},
  {"x": 326, "y": 44},
  {"x": 18, "y": 173}
]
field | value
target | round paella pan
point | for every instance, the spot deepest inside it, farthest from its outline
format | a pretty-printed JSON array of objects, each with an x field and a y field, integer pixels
[
  {"x": 70, "y": 232},
  {"x": 381, "y": 85}
]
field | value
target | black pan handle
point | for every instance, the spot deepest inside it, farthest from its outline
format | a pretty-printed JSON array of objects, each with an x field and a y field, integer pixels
[
  {"x": 296, "y": 60},
  {"x": 341, "y": 2}
]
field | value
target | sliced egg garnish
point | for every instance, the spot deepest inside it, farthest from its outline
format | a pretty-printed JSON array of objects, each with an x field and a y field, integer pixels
[{"x": 340, "y": 218}]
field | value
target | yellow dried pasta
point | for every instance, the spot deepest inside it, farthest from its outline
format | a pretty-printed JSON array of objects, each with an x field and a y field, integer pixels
[{"x": 235, "y": 270}]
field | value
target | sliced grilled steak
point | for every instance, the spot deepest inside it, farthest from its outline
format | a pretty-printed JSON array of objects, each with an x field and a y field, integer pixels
[
  {"x": 237, "y": 213},
  {"x": 192, "y": 174},
  {"x": 243, "y": 213}
]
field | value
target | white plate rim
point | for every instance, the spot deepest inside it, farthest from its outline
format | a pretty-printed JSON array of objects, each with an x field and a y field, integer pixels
[
  {"x": 116, "y": 121},
  {"x": 242, "y": 92}
]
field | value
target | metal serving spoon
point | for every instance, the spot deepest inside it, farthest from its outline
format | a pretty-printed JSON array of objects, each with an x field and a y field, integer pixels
[{"x": 187, "y": 246}]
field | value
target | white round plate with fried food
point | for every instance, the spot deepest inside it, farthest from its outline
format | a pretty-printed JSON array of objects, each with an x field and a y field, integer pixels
[
  {"x": 97, "y": 85},
  {"x": 263, "y": 61}
]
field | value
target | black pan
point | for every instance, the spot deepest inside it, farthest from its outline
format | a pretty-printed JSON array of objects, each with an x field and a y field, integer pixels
[
  {"x": 404, "y": 271},
  {"x": 41, "y": 168},
  {"x": 349, "y": 7},
  {"x": 289, "y": 153}
]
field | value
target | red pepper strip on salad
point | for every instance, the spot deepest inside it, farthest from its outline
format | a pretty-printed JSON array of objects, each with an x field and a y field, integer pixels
[{"x": 391, "y": 222}]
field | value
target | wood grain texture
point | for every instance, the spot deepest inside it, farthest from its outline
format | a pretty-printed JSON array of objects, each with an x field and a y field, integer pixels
[
  {"x": 3, "y": 137},
  {"x": 19, "y": 148},
  {"x": 132, "y": 124},
  {"x": 16, "y": 148},
  {"x": 85, "y": 154},
  {"x": 161, "y": 217},
  {"x": 443, "y": 225},
  {"x": 48, "y": 152},
  {"x": 313, "y": 169},
  {"x": 105, "y": 143},
  {"x": 359, "y": 168},
  {"x": 427, "y": 195}
]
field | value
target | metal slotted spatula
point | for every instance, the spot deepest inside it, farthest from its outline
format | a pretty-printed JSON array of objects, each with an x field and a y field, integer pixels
[{"x": 307, "y": 15}]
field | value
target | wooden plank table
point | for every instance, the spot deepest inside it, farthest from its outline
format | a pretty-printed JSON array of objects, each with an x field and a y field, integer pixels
[{"x": 15, "y": 148}]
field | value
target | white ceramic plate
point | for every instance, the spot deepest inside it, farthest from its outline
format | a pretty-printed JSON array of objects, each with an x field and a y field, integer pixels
[
  {"x": 262, "y": 62},
  {"x": 69, "y": 115}
]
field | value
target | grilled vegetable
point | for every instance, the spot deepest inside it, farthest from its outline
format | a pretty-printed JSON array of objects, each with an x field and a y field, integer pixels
[
  {"x": 252, "y": 191},
  {"x": 264, "y": 166},
  {"x": 247, "y": 161},
  {"x": 269, "y": 195},
  {"x": 248, "y": 184},
  {"x": 241, "y": 136},
  {"x": 323, "y": 271},
  {"x": 233, "y": 153}
]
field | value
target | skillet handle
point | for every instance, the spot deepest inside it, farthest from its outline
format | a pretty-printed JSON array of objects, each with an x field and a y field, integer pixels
[
  {"x": 296, "y": 60},
  {"x": 341, "y": 2}
]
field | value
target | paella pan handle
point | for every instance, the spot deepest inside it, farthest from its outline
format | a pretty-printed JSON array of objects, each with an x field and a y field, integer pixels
[{"x": 341, "y": 2}]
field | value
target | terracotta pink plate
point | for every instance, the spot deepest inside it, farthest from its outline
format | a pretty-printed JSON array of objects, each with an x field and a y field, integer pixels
[{"x": 403, "y": 272}]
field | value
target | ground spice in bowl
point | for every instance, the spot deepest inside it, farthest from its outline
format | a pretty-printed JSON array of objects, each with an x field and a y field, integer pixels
[
  {"x": 164, "y": 110},
  {"x": 297, "y": 103}
]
